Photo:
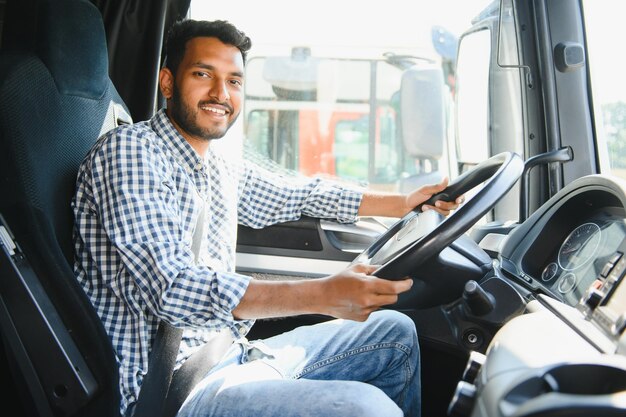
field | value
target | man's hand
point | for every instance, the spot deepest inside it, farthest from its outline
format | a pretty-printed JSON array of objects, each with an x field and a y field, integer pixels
[
  {"x": 423, "y": 193},
  {"x": 354, "y": 294},
  {"x": 350, "y": 294},
  {"x": 397, "y": 205}
]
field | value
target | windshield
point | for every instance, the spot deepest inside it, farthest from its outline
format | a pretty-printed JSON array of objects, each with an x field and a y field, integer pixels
[{"x": 335, "y": 88}]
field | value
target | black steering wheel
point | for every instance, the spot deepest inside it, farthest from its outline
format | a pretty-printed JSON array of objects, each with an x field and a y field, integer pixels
[{"x": 419, "y": 235}]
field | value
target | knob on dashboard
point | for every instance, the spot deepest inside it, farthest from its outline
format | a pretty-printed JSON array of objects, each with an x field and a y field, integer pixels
[
  {"x": 463, "y": 400},
  {"x": 474, "y": 363},
  {"x": 620, "y": 325},
  {"x": 593, "y": 297}
]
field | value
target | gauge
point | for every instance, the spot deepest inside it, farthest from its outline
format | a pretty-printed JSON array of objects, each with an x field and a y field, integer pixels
[
  {"x": 579, "y": 246},
  {"x": 549, "y": 271},
  {"x": 567, "y": 283}
]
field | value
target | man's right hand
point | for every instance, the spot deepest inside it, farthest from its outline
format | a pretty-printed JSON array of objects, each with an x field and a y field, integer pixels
[
  {"x": 354, "y": 293},
  {"x": 351, "y": 294}
]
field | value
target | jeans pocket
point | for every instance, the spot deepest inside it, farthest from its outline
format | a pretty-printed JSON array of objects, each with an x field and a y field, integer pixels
[
  {"x": 259, "y": 353},
  {"x": 256, "y": 350}
]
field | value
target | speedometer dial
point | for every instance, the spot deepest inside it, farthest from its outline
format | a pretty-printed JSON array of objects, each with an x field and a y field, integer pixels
[
  {"x": 549, "y": 271},
  {"x": 579, "y": 246}
]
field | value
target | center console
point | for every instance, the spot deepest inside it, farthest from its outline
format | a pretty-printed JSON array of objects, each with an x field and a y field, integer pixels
[{"x": 555, "y": 360}]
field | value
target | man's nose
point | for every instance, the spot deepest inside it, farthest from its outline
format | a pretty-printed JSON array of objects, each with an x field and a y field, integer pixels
[{"x": 219, "y": 91}]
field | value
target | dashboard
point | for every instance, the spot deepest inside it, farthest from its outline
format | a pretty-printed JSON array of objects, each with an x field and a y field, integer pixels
[
  {"x": 584, "y": 254},
  {"x": 570, "y": 244},
  {"x": 566, "y": 355}
]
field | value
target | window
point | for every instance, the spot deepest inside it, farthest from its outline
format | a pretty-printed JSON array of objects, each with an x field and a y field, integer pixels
[
  {"x": 604, "y": 28},
  {"x": 326, "y": 94}
]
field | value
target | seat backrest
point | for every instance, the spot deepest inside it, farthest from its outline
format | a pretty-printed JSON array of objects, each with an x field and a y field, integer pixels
[{"x": 55, "y": 101}]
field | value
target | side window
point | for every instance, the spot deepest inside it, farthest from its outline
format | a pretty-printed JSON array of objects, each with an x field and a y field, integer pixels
[
  {"x": 603, "y": 27},
  {"x": 489, "y": 97},
  {"x": 351, "y": 145},
  {"x": 334, "y": 97},
  {"x": 336, "y": 117},
  {"x": 259, "y": 128}
]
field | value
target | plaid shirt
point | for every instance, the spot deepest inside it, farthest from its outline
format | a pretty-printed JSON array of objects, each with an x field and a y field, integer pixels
[{"x": 139, "y": 192}]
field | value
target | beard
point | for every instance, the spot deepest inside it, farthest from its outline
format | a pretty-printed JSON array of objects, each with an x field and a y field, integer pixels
[{"x": 186, "y": 117}]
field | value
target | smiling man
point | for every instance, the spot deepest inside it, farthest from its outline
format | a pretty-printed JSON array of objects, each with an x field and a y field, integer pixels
[
  {"x": 207, "y": 99},
  {"x": 156, "y": 212}
]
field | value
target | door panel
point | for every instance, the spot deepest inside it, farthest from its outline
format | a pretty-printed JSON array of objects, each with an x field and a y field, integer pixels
[{"x": 305, "y": 248}]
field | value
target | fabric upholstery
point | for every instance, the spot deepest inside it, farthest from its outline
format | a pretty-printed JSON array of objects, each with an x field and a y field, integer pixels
[{"x": 54, "y": 103}]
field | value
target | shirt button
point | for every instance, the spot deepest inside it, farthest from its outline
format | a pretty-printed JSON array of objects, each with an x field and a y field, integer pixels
[{"x": 199, "y": 166}]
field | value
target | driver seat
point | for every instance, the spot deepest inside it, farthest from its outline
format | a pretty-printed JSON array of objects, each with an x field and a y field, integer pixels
[{"x": 53, "y": 107}]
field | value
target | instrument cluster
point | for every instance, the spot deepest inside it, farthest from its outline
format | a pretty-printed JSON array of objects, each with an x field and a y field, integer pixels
[{"x": 582, "y": 256}]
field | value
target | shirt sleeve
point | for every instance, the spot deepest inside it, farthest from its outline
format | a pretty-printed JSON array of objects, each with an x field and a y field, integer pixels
[
  {"x": 139, "y": 210},
  {"x": 267, "y": 198}
]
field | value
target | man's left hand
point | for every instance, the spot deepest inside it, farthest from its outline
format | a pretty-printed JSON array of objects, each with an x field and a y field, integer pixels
[{"x": 423, "y": 193}]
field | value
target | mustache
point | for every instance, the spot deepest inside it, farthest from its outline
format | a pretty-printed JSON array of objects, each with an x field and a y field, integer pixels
[{"x": 207, "y": 102}]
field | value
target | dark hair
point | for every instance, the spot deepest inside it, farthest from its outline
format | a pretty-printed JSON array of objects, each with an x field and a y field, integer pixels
[{"x": 184, "y": 30}]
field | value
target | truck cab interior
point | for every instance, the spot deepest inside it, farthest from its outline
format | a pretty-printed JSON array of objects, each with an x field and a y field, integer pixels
[{"x": 519, "y": 296}]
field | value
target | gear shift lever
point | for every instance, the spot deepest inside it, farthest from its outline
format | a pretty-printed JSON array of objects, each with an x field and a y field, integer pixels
[{"x": 477, "y": 301}]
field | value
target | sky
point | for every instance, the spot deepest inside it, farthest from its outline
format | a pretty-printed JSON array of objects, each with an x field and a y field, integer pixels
[{"x": 355, "y": 24}]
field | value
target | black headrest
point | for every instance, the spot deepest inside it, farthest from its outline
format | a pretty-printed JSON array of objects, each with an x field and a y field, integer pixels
[
  {"x": 69, "y": 42},
  {"x": 54, "y": 103}
]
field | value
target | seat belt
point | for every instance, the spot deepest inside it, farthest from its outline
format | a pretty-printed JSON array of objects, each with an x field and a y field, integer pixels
[
  {"x": 193, "y": 370},
  {"x": 157, "y": 381},
  {"x": 158, "y": 395}
]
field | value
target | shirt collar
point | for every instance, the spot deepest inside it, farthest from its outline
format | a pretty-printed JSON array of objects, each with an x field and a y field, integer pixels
[{"x": 172, "y": 138}]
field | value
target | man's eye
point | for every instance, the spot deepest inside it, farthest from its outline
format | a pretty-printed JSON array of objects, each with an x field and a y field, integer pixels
[
  {"x": 201, "y": 74},
  {"x": 236, "y": 82}
]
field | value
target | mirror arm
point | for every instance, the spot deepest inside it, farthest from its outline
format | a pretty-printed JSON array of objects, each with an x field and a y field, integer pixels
[{"x": 562, "y": 155}]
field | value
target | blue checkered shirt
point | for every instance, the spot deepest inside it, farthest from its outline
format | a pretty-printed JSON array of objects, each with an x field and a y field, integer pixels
[{"x": 139, "y": 192}]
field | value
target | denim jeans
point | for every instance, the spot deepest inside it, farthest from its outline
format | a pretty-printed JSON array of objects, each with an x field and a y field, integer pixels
[{"x": 332, "y": 369}]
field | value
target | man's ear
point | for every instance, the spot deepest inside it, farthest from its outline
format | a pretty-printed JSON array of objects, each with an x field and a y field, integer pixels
[{"x": 166, "y": 82}]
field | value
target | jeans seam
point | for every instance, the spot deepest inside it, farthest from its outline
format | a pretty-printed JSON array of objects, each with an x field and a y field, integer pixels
[
  {"x": 408, "y": 376},
  {"x": 335, "y": 358}
]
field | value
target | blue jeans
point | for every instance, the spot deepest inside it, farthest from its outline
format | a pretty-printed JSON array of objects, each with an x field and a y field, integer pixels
[{"x": 336, "y": 368}]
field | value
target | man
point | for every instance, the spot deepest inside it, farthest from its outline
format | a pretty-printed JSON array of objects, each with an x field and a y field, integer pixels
[{"x": 145, "y": 193}]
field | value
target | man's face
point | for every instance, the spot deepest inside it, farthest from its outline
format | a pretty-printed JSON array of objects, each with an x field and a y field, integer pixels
[{"x": 205, "y": 98}]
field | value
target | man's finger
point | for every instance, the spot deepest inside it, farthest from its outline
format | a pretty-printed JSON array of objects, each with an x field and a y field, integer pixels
[
  {"x": 385, "y": 286},
  {"x": 445, "y": 205},
  {"x": 365, "y": 268},
  {"x": 386, "y": 299},
  {"x": 435, "y": 188}
]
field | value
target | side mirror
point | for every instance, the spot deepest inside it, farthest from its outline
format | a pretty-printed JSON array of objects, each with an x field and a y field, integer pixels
[
  {"x": 423, "y": 112},
  {"x": 472, "y": 119}
]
